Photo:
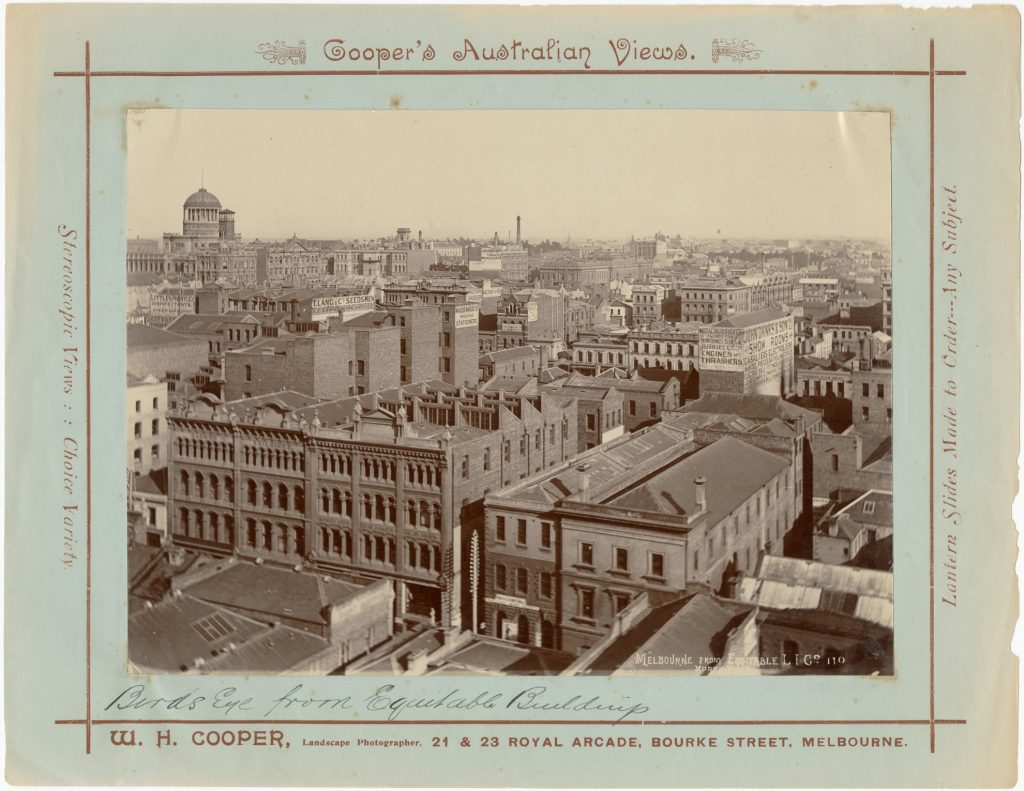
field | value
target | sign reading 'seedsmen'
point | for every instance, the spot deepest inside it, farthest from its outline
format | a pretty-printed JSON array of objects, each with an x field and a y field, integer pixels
[{"x": 325, "y": 307}]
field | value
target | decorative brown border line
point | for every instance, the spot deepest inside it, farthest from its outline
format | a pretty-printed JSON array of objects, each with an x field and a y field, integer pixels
[
  {"x": 627, "y": 723},
  {"x": 88, "y": 74},
  {"x": 522, "y": 73}
]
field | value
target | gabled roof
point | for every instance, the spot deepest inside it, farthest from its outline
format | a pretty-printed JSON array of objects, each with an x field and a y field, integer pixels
[{"x": 733, "y": 470}]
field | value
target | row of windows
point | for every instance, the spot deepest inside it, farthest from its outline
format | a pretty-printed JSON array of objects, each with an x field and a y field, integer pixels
[
  {"x": 517, "y": 581},
  {"x": 545, "y": 534},
  {"x": 154, "y": 428},
  {"x": 205, "y": 449},
  {"x": 377, "y": 507},
  {"x": 586, "y": 598},
  {"x": 690, "y": 348},
  {"x": 154, "y": 453},
  {"x": 620, "y": 560},
  {"x": 156, "y": 404},
  {"x": 207, "y": 526}
]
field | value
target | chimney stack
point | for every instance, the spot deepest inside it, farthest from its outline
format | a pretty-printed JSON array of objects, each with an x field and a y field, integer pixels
[
  {"x": 584, "y": 471},
  {"x": 699, "y": 494},
  {"x": 519, "y": 228}
]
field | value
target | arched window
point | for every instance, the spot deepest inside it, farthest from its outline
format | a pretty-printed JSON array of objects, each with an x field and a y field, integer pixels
[
  {"x": 268, "y": 495},
  {"x": 268, "y": 536},
  {"x": 250, "y": 533},
  {"x": 299, "y": 498},
  {"x": 282, "y": 497},
  {"x": 183, "y": 483},
  {"x": 229, "y": 530},
  {"x": 250, "y": 492},
  {"x": 214, "y": 487},
  {"x": 213, "y": 528},
  {"x": 229, "y": 488},
  {"x": 183, "y": 521},
  {"x": 200, "y": 485},
  {"x": 299, "y": 540}
]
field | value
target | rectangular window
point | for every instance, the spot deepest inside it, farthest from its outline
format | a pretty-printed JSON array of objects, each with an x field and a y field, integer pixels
[
  {"x": 522, "y": 581},
  {"x": 138, "y": 431},
  {"x": 591, "y": 422},
  {"x": 632, "y": 408},
  {"x": 586, "y": 554},
  {"x": 361, "y": 368},
  {"x": 546, "y": 585},
  {"x": 138, "y": 454},
  {"x": 401, "y": 346},
  {"x": 654, "y": 408},
  {"x": 154, "y": 452},
  {"x": 835, "y": 462},
  {"x": 487, "y": 459},
  {"x": 465, "y": 467},
  {"x": 138, "y": 406},
  {"x": 499, "y": 577},
  {"x": 865, "y": 413},
  {"x": 154, "y": 427},
  {"x": 248, "y": 373},
  {"x": 545, "y": 535},
  {"x": 881, "y": 391},
  {"x": 447, "y": 365},
  {"x": 621, "y": 601},
  {"x": 156, "y": 403},
  {"x": 521, "y": 532},
  {"x": 499, "y": 529},
  {"x": 621, "y": 559},
  {"x": 446, "y": 339},
  {"x": 865, "y": 389},
  {"x": 586, "y": 603}
]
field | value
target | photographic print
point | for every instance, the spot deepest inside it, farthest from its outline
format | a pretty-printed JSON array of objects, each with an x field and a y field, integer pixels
[{"x": 643, "y": 425}]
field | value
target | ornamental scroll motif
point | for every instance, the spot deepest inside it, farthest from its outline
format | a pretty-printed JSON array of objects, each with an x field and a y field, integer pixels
[
  {"x": 280, "y": 53},
  {"x": 737, "y": 49}
]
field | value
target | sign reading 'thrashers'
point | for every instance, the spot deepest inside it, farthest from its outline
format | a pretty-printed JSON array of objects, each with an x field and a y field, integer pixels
[
  {"x": 763, "y": 352},
  {"x": 467, "y": 316}
]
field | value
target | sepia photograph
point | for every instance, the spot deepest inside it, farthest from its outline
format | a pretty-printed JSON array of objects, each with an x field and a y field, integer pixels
[{"x": 508, "y": 392}]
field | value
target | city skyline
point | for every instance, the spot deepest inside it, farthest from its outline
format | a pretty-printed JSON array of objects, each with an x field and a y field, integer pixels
[{"x": 836, "y": 166}]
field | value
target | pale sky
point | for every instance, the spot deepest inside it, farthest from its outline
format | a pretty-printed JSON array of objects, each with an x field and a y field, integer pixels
[{"x": 603, "y": 174}]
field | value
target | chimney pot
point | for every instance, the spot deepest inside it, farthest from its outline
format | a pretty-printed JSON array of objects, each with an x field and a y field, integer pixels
[{"x": 700, "y": 494}]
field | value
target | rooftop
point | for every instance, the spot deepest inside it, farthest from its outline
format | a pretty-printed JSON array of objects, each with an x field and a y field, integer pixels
[
  {"x": 733, "y": 471},
  {"x": 142, "y": 336},
  {"x": 744, "y": 320},
  {"x": 272, "y": 592}
]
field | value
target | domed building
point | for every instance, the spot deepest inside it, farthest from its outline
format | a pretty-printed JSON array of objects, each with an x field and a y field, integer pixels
[{"x": 201, "y": 215}]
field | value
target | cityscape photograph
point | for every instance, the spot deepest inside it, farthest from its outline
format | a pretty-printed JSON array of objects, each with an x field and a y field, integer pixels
[{"x": 495, "y": 392}]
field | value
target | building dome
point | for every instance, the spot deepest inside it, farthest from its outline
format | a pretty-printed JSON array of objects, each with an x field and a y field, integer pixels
[{"x": 202, "y": 200}]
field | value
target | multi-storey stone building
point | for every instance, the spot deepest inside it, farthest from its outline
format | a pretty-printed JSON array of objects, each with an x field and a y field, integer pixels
[
  {"x": 663, "y": 345},
  {"x": 570, "y": 549},
  {"x": 389, "y": 484}
]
